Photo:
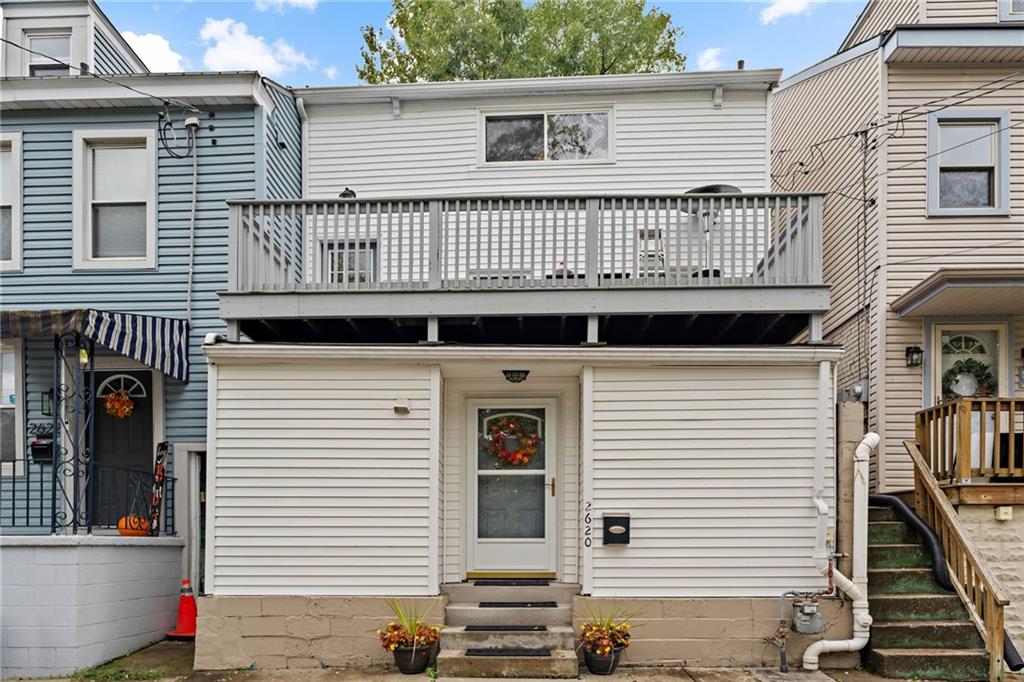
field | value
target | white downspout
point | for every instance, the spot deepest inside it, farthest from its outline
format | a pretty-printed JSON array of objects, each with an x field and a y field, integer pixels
[{"x": 857, "y": 588}]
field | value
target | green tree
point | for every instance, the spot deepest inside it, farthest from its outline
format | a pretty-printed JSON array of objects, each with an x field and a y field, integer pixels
[{"x": 443, "y": 40}]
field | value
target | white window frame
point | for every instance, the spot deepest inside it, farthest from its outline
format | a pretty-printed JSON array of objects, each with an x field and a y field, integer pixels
[
  {"x": 1006, "y": 12},
  {"x": 331, "y": 249},
  {"x": 13, "y": 140},
  {"x": 17, "y": 467},
  {"x": 484, "y": 113},
  {"x": 82, "y": 192},
  {"x": 1001, "y": 149},
  {"x": 30, "y": 58}
]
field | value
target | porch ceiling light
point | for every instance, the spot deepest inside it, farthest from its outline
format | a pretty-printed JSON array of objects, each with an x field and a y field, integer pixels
[
  {"x": 515, "y": 376},
  {"x": 915, "y": 356}
]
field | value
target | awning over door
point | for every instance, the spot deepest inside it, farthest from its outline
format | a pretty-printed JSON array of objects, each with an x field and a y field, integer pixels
[
  {"x": 965, "y": 291},
  {"x": 157, "y": 342}
]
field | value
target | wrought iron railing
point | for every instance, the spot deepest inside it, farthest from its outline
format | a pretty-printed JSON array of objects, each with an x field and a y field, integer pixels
[{"x": 528, "y": 242}]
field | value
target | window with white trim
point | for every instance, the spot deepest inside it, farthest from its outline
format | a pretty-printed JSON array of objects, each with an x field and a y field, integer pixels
[
  {"x": 116, "y": 200},
  {"x": 12, "y": 428},
  {"x": 1011, "y": 10},
  {"x": 968, "y": 171},
  {"x": 47, "y": 51},
  {"x": 547, "y": 136},
  {"x": 10, "y": 201}
]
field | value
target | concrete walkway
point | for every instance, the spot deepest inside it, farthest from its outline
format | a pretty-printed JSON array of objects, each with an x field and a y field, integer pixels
[{"x": 622, "y": 675}]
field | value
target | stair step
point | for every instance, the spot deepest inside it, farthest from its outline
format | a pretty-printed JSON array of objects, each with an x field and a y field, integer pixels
[
  {"x": 898, "y": 556},
  {"x": 557, "y": 663},
  {"x": 474, "y": 614},
  {"x": 476, "y": 592},
  {"x": 496, "y": 637},
  {"x": 925, "y": 635},
  {"x": 511, "y": 583},
  {"x": 508, "y": 651},
  {"x": 882, "y": 514},
  {"x": 890, "y": 532},
  {"x": 930, "y": 664},
  {"x": 518, "y": 604},
  {"x": 903, "y": 581},
  {"x": 888, "y": 608}
]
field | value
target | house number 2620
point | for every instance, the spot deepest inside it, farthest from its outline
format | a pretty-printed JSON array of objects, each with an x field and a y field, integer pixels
[{"x": 587, "y": 523}]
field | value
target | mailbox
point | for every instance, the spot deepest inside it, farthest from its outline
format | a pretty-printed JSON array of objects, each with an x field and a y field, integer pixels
[{"x": 616, "y": 529}]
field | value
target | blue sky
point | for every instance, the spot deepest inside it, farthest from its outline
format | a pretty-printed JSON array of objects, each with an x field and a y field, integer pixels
[{"x": 316, "y": 42}]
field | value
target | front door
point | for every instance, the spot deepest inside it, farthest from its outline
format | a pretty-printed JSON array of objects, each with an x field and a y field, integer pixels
[{"x": 512, "y": 489}]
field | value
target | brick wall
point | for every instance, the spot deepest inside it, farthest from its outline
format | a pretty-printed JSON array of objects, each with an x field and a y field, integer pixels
[
  {"x": 1002, "y": 544},
  {"x": 71, "y": 602}
]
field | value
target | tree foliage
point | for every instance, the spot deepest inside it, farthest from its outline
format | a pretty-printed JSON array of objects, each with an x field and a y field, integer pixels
[{"x": 443, "y": 40}]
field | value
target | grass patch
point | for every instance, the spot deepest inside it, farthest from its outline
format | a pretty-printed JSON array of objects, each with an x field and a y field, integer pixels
[{"x": 111, "y": 672}]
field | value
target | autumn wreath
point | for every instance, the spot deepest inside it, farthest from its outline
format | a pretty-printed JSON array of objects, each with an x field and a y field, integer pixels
[
  {"x": 509, "y": 428},
  {"x": 119, "y": 404}
]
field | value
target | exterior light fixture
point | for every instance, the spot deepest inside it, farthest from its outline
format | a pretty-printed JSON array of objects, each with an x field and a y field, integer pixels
[
  {"x": 915, "y": 356},
  {"x": 515, "y": 376},
  {"x": 46, "y": 398}
]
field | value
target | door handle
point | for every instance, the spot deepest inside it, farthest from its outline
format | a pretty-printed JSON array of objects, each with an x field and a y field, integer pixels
[{"x": 552, "y": 484}]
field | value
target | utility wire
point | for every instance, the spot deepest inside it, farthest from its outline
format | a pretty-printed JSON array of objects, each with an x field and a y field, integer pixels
[{"x": 87, "y": 72}]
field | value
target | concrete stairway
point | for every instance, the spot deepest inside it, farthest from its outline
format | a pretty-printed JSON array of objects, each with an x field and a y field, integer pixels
[
  {"x": 921, "y": 631},
  {"x": 508, "y": 629}
]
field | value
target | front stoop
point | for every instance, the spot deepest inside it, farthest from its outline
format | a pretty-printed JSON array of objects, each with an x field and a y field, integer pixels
[
  {"x": 511, "y": 631},
  {"x": 921, "y": 631}
]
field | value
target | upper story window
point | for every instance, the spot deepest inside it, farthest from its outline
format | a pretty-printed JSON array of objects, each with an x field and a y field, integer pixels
[
  {"x": 115, "y": 206},
  {"x": 45, "y": 46},
  {"x": 1011, "y": 10},
  {"x": 968, "y": 171},
  {"x": 548, "y": 136},
  {"x": 10, "y": 201}
]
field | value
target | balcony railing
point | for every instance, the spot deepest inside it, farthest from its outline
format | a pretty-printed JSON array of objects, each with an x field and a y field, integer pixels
[
  {"x": 973, "y": 438},
  {"x": 526, "y": 243}
]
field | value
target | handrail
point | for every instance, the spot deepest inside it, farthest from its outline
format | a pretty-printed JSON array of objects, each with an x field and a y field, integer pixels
[
  {"x": 970, "y": 438},
  {"x": 984, "y": 595}
]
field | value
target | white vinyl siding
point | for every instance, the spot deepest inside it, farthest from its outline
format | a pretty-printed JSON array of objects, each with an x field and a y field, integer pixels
[
  {"x": 662, "y": 142},
  {"x": 715, "y": 466},
  {"x": 317, "y": 486}
]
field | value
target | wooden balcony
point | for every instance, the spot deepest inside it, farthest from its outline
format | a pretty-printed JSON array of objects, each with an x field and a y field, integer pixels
[{"x": 729, "y": 255}]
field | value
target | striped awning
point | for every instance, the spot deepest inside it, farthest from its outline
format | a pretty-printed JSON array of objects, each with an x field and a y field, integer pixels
[{"x": 157, "y": 342}]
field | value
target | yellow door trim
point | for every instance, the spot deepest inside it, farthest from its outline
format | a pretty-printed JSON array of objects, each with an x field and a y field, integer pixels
[{"x": 511, "y": 575}]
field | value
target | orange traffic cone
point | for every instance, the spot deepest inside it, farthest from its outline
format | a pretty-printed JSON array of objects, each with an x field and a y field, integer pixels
[{"x": 186, "y": 614}]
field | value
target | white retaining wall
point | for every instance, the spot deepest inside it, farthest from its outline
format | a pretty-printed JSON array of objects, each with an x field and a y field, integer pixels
[{"x": 70, "y": 602}]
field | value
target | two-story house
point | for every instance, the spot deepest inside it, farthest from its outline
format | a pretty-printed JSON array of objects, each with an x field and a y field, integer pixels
[
  {"x": 525, "y": 330},
  {"x": 915, "y": 129},
  {"x": 113, "y": 248}
]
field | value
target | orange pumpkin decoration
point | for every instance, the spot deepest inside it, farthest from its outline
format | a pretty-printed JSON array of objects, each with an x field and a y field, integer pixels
[{"x": 133, "y": 526}]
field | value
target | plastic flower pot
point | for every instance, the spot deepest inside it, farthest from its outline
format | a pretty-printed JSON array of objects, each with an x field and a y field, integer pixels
[
  {"x": 410, "y": 661},
  {"x": 603, "y": 665}
]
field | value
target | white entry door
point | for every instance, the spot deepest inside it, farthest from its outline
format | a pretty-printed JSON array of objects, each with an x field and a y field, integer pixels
[{"x": 512, "y": 486}]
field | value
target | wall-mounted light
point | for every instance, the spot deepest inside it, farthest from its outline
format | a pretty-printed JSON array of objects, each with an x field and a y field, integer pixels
[
  {"x": 46, "y": 398},
  {"x": 515, "y": 376},
  {"x": 915, "y": 356}
]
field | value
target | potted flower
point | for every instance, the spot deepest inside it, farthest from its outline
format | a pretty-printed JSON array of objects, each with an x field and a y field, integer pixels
[
  {"x": 409, "y": 638},
  {"x": 603, "y": 637}
]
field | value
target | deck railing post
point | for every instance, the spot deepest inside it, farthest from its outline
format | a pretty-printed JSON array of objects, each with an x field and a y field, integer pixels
[
  {"x": 234, "y": 244},
  {"x": 963, "y": 440},
  {"x": 592, "y": 242},
  {"x": 814, "y": 240},
  {"x": 434, "y": 245}
]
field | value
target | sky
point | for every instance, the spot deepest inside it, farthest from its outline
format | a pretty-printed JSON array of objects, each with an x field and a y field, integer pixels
[{"x": 316, "y": 42}]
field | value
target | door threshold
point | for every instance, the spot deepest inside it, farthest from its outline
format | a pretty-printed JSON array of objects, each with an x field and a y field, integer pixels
[{"x": 511, "y": 575}]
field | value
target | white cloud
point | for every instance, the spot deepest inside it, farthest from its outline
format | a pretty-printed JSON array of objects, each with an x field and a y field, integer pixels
[
  {"x": 155, "y": 51},
  {"x": 331, "y": 72},
  {"x": 785, "y": 8},
  {"x": 709, "y": 59},
  {"x": 279, "y": 5},
  {"x": 231, "y": 47}
]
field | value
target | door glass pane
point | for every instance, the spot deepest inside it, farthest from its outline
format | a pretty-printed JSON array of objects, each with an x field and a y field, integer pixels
[
  {"x": 965, "y": 188},
  {"x": 515, "y": 138},
  {"x": 970, "y": 363},
  {"x": 510, "y": 506},
  {"x": 510, "y": 439},
  {"x": 578, "y": 136},
  {"x": 8, "y": 401},
  {"x": 119, "y": 231}
]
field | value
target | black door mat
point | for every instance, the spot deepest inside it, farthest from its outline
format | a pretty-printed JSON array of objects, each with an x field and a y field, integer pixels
[
  {"x": 511, "y": 583},
  {"x": 518, "y": 604},
  {"x": 508, "y": 652},
  {"x": 506, "y": 628}
]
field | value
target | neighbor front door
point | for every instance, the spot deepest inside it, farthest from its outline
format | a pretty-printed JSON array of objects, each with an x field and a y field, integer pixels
[{"x": 512, "y": 487}]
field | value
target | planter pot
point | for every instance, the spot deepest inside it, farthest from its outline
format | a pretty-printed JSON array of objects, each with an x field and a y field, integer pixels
[
  {"x": 411, "y": 661},
  {"x": 603, "y": 665}
]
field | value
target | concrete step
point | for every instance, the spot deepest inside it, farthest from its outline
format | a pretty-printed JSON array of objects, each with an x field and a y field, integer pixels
[
  {"x": 903, "y": 581},
  {"x": 925, "y": 635},
  {"x": 555, "y": 637},
  {"x": 890, "y": 533},
  {"x": 930, "y": 664},
  {"x": 888, "y": 608},
  {"x": 882, "y": 514},
  {"x": 898, "y": 556},
  {"x": 561, "y": 664},
  {"x": 473, "y": 614},
  {"x": 469, "y": 592}
]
